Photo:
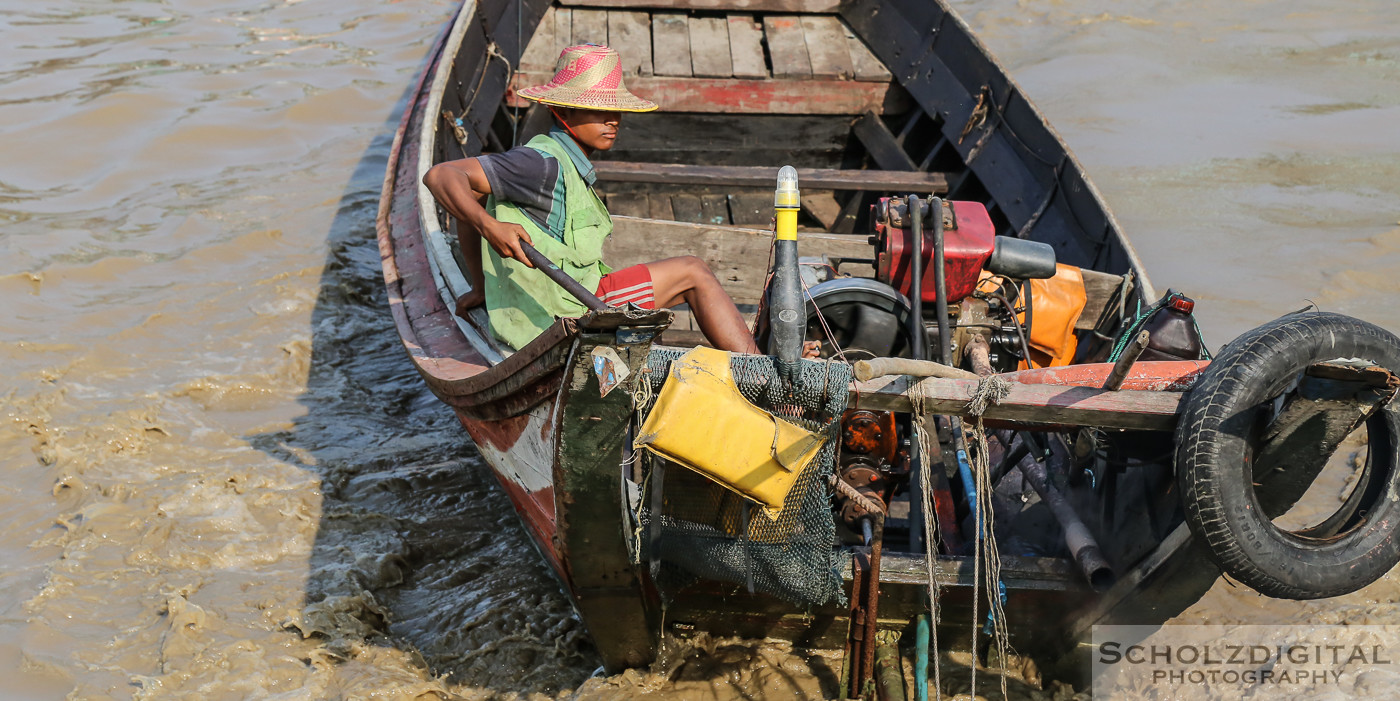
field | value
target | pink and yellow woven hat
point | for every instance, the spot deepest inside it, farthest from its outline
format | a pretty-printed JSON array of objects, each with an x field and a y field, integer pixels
[{"x": 588, "y": 77}]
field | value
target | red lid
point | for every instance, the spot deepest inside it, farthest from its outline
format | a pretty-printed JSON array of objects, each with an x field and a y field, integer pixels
[{"x": 1183, "y": 303}]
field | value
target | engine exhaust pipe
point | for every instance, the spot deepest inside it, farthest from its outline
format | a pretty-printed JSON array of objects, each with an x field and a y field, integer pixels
[{"x": 1082, "y": 546}]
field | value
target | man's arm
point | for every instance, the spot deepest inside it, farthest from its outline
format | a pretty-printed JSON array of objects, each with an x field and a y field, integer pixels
[{"x": 461, "y": 187}]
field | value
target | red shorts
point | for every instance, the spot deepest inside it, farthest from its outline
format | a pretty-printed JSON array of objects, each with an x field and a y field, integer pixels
[{"x": 627, "y": 285}]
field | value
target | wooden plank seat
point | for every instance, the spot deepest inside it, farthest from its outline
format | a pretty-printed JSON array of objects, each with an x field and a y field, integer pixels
[{"x": 764, "y": 177}]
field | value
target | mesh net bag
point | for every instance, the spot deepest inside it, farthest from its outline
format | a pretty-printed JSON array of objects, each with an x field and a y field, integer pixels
[{"x": 708, "y": 532}]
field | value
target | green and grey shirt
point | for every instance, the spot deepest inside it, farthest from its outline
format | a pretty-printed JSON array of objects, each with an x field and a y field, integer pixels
[{"x": 544, "y": 186}]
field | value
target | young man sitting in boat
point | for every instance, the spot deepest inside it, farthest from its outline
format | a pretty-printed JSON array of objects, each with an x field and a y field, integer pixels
[{"x": 542, "y": 194}]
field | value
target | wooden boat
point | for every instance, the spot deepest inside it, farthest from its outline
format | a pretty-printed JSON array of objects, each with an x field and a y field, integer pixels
[{"x": 868, "y": 98}]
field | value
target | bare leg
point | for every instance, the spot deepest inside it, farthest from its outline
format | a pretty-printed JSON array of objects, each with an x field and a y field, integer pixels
[
  {"x": 687, "y": 279},
  {"x": 471, "y": 253}
]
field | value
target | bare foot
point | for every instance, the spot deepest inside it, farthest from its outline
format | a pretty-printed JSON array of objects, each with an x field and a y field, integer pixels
[{"x": 469, "y": 301}]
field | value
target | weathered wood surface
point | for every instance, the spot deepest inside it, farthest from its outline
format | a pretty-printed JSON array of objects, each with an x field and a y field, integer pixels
[
  {"x": 590, "y": 27},
  {"x": 670, "y": 43},
  {"x": 686, "y": 208},
  {"x": 827, "y": 47},
  {"x": 881, "y": 143},
  {"x": 630, "y": 34},
  {"x": 759, "y": 176},
  {"x": 1035, "y": 404},
  {"x": 709, "y": 48},
  {"x": 786, "y": 6},
  {"x": 738, "y": 256},
  {"x": 753, "y": 209},
  {"x": 787, "y": 46},
  {"x": 731, "y": 139},
  {"x": 1099, "y": 289},
  {"x": 607, "y": 588},
  {"x": 629, "y": 204},
  {"x": 714, "y": 209},
  {"x": 746, "y": 47},
  {"x": 660, "y": 208},
  {"x": 540, "y": 52},
  {"x": 823, "y": 207},
  {"x": 563, "y": 33},
  {"x": 863, "y": 62},
  {"x": 733, "y": 95}
]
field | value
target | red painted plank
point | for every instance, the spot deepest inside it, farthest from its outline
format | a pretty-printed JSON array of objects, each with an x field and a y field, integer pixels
[
  {"x": 1150, "y": 375},
  {"x": 730, "y": 96}
]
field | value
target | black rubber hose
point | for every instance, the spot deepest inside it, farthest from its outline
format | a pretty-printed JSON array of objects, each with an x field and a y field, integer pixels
[
  {"x": 915, "y": 210},
  {"x": 940, "y": 285}
]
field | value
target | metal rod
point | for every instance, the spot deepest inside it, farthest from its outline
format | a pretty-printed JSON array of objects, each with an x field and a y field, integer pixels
[
  {"x": 1082, "y": 546},
  {"x": 914, "y": 208},
  {"x": 850, "y": 661},
  {"x": 1126, "y": 360},
  {"x": 872, "y": 603},
  {"x": 562, "y": 278},
  {"x": 940, "y": 285}
]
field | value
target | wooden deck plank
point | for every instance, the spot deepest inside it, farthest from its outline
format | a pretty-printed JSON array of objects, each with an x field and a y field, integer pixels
[
  {"x": 863, "y": 61},
  {"x": 823, "y": 207},
  {"x": 751, "y": 208},
  {"x": 686, "y": 208},
  {"x": 714, "y": 210},
  {"x": 709, "y": 48},
  {"x": 762, "y": 177},
  {"x": 661, "y": 208},
  {"x": 670, "y": 45},
  {"x": 630, "y": 34},
  {"x": 781, "y": 6},
  {"x": 738, "y": 256},
  {"x": 827, "y": 47},
  {"x": 746, "y": 47},
  {"x": 540, "y": 52},
  {"x": 563, "y": 33},
  {"x": 787, "y": 46},
  {"x": 747, "y": 96},
  {"x": 629, "y": 204},
  {"x": 590, "y": 27}
]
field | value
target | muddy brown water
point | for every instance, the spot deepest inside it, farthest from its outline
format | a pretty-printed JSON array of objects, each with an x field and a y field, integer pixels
[{"x": 221, "y": 478}]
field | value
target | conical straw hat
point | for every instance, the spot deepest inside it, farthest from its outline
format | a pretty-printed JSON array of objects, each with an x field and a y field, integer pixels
[{"x": 588, "y": 77}]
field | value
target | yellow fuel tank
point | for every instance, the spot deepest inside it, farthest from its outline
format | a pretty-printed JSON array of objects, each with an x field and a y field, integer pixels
[{"x": 701, "y": 421}]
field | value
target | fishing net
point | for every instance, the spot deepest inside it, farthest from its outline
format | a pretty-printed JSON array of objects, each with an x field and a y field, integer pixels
[{"x": 708, "y": 532}]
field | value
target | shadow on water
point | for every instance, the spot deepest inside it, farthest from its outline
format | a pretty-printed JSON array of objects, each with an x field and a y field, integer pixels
[{"x": 417, "y": 548}]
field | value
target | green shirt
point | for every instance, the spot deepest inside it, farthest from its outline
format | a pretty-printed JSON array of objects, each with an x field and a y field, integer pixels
[{"x": 522, "y": 302}]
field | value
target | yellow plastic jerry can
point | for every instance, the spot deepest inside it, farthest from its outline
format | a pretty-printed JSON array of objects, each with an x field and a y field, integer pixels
[{"x": 701, "y": 421}]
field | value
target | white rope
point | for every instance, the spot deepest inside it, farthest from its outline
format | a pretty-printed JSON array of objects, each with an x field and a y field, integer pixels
[
  {"x": 931, "y": 533},
  {"x": 987, "y": 556},
  {"x": 986, "y": 562}
]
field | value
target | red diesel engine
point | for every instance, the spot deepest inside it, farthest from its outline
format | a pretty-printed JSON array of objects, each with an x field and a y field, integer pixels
[{"x": 969, "y": 239}]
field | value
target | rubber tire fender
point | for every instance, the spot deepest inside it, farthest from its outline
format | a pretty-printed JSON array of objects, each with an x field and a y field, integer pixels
[{"x": 1214, "y": 472}]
